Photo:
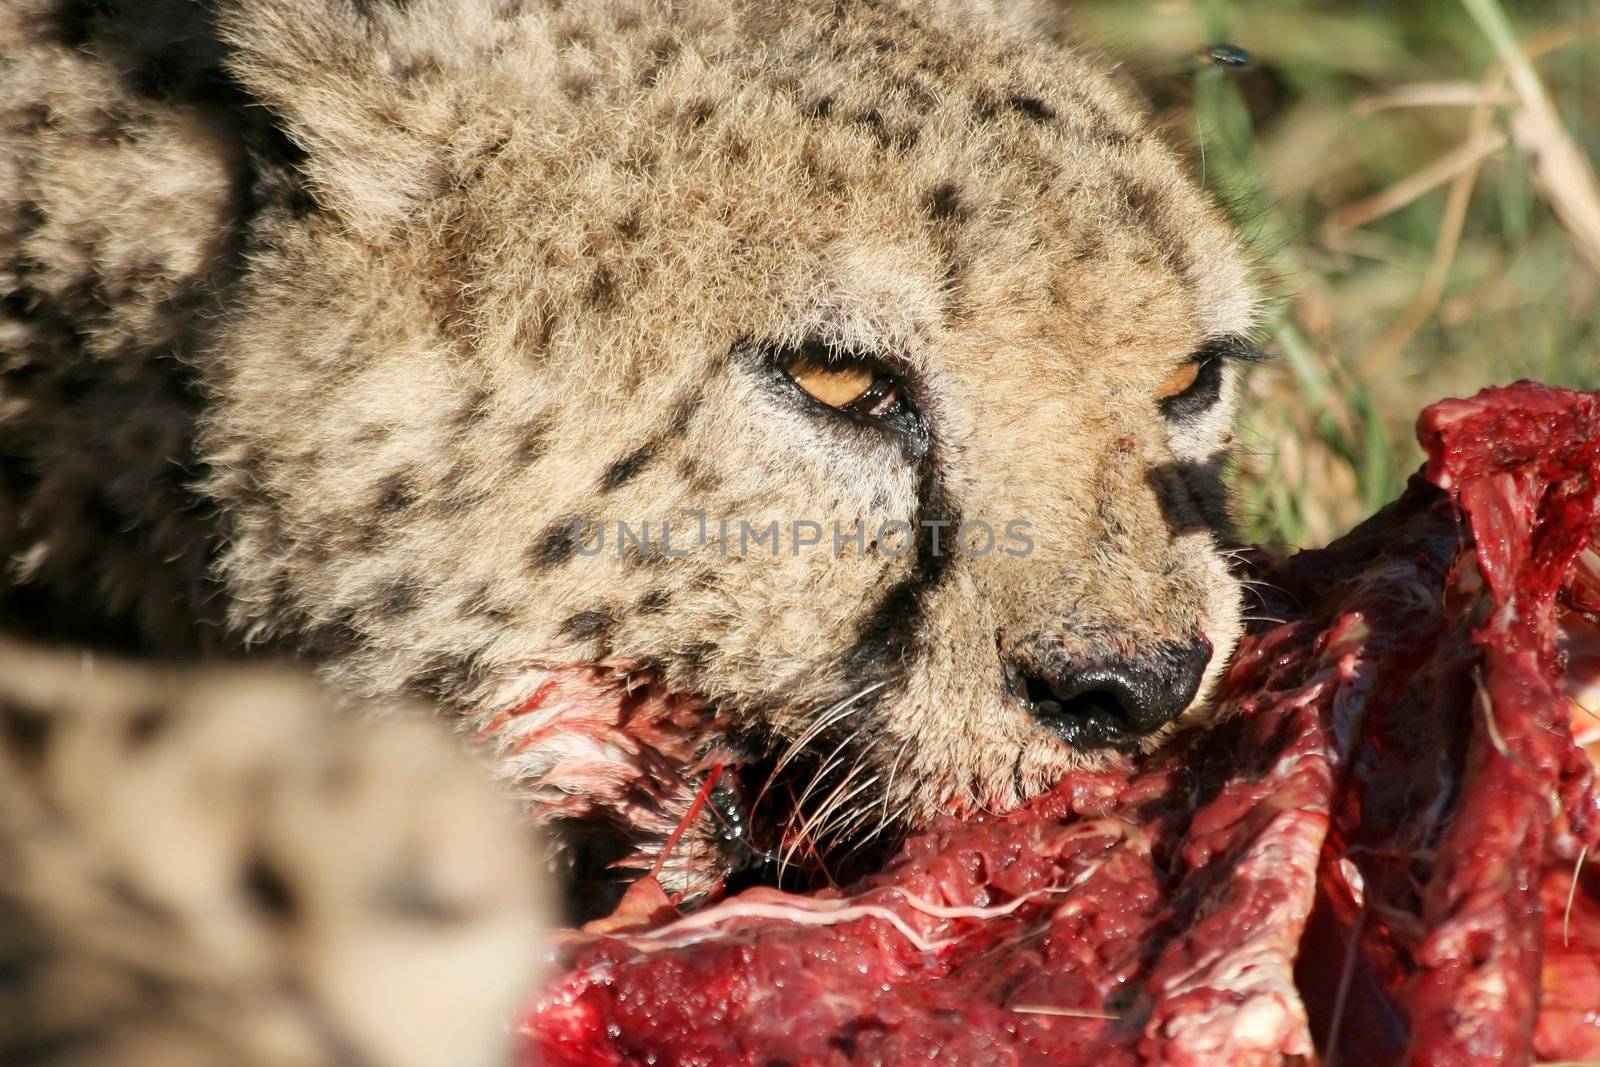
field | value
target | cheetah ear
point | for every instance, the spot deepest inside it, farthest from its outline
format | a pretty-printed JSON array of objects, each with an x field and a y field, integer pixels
[{"x": 361, "y": 86}]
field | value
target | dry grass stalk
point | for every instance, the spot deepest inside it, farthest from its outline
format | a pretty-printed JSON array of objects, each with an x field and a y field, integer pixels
[
  {"x": 1464, "y": 158},
  {"x": 1559, "y": 165},
  {"x": 1562, "y": 171},
  {"x": 1437, "y": 280},
  {"x": 1434, "y": 94}
]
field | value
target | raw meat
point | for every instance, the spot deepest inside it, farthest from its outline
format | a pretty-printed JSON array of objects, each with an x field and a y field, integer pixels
[{"x": 1375, "y": 856}]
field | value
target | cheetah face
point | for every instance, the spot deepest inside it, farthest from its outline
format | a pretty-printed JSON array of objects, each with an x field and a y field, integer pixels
[{"x": 881, "y": 277}]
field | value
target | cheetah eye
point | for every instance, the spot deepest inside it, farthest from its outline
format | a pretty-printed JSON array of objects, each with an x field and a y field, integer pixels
[
  {"x": 1179, "y": 381},
  {"x": 850, "y": 385},
  {"x": 854, "y": 389},
  {"x": 1197, "y": 385},
  {"x": 1192, "y": 388},
  {"x": 842, "y": 390}
]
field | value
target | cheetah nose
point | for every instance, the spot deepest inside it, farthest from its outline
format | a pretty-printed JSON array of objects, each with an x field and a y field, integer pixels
[{"x": 1111, "y": 702}]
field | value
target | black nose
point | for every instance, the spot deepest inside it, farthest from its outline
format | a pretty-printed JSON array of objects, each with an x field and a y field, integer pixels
[{"x": 1111, "y": 702}]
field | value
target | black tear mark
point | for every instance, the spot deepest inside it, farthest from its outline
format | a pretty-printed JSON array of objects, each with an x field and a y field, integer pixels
[
  {"x": 889, "y": 634},
  {"x": 946, "y": 212},
  {"x": 26, "y": 732},
  {"x": 1193, "y": 495},
  {"x": 269, "y": 890},
  {"x": 627, "y": 468},
  {"x": 556, "y": 544},
  {"x": 590, "y": 625}
]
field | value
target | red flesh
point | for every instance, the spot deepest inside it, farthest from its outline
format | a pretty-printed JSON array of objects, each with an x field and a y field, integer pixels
[{"x": 1200, "y": 899}]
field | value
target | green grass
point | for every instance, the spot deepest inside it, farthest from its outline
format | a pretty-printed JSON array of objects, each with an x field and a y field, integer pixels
[{"x": 1287, "y": 145}]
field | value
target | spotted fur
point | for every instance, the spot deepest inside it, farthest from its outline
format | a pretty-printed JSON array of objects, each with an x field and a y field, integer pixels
[{"x": 215, "y": 868}]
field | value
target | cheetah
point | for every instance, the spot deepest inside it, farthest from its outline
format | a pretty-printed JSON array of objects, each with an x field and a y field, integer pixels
[
  {"x": 843, "y": 384},
  {"x": 216, "y": 867}
]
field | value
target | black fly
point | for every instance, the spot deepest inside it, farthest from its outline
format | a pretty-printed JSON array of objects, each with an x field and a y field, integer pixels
[{"x": 1223, "y": 54}]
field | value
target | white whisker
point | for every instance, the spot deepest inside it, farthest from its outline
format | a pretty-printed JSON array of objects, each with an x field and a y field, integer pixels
[
  {"x": 832, "y": 761},
  {"x": 831, "y": 717}
]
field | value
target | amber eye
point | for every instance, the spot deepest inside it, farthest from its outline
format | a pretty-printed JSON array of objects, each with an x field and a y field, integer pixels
[
  {"x": 1179, "y": 381},
  {"x": 844, "y": 390},
  {"x": 1196, "y": 387},
  {"x": 836, "y": 388},
  {"x": 848, "y": 387},
  {"x": 1193, "y": 388}
]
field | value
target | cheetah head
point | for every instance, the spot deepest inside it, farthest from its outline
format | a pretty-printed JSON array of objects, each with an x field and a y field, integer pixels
[{"x": 860, "y": 372}]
